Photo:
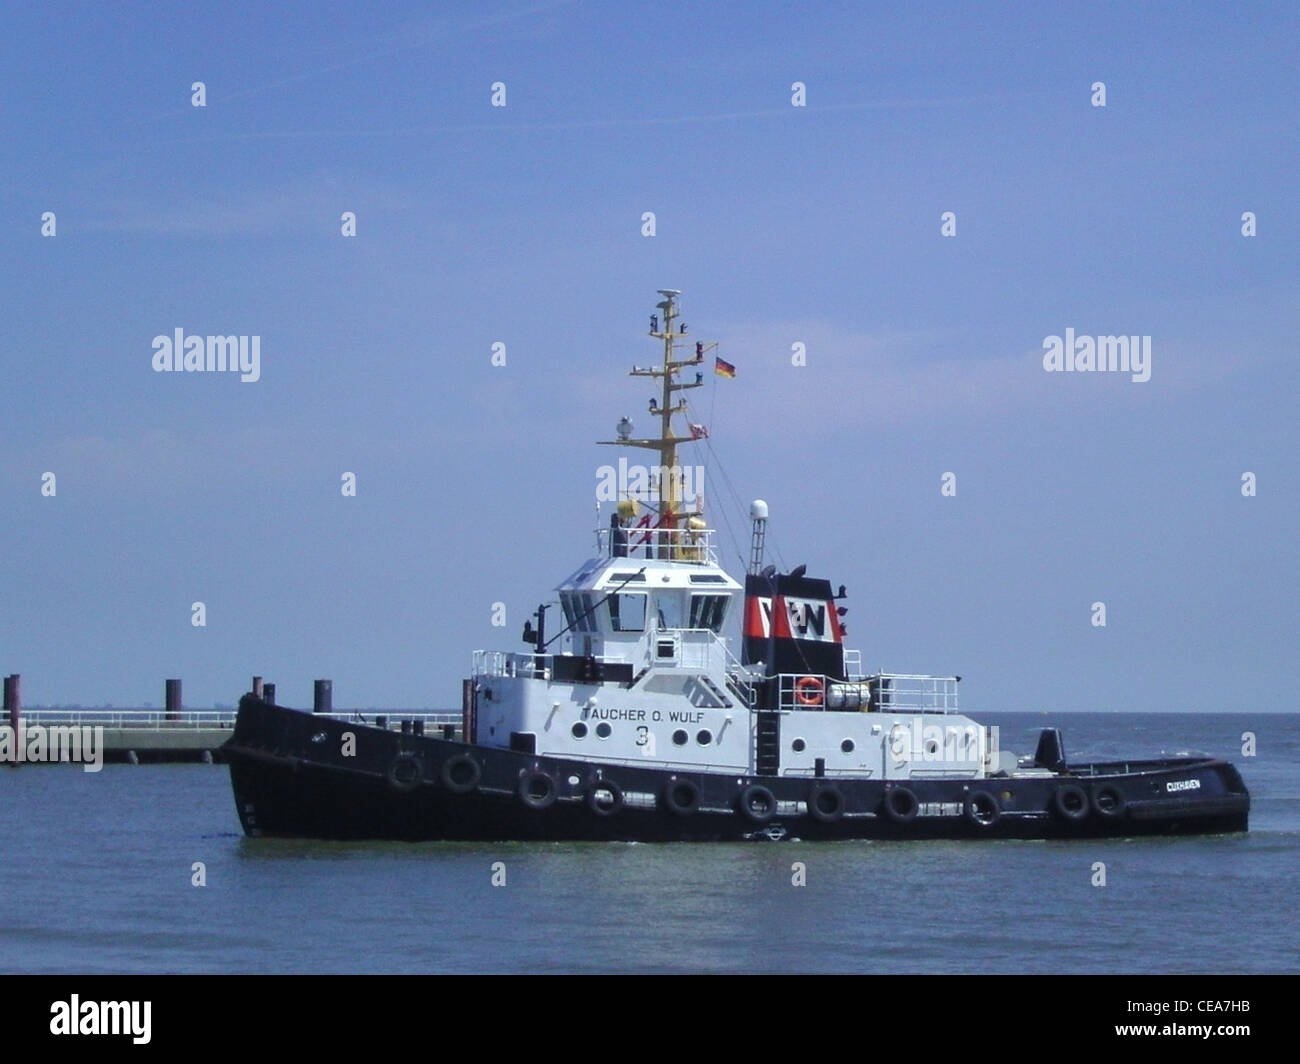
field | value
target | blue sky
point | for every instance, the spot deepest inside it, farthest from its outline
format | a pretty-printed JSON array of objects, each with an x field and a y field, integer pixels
[{"x": 522, "y": 224}]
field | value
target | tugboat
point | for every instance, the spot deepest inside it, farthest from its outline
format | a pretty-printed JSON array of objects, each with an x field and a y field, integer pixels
[{"x": 636, "y": 721}]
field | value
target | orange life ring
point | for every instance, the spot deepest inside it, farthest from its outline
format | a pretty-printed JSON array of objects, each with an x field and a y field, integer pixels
[{"x": 808, "y": 691}]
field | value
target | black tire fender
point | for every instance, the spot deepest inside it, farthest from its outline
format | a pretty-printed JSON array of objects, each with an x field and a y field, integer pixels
[
  {"x": 900, "y": 805},
  {"x": 981, "y": 808},
  {"x": 1071, "y": 802},
  {"x": 460, "y": 774},
  {"x": 1108, "y": 801},
  {"x": 600, "y": 808},
  {"x": 825, "y": 802},
  {"x": 405, "y": 773},
  {"x": 681, "y": 796},
  {"x": 757, "y": 803},
  {"x": 537, "y": 788}
]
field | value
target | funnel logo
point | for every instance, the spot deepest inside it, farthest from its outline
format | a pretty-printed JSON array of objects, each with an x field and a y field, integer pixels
[
  {"x": 796, "y": 618},
  {"x": 807, "y": 619}
]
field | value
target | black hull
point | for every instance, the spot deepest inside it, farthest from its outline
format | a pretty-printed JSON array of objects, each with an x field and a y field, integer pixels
[{"x": 291, "y": 779}]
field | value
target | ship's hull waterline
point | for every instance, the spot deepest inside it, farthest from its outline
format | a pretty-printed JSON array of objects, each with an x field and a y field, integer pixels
[{"x": 295, "y": 775}]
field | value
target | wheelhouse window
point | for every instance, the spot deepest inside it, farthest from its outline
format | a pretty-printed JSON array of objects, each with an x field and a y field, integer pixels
[
  {"x": 708, "y": 611},
  {"x": 671, "y": 611},
  {"x": 578, "y": 612},
  {"x": 627, "y": 612}
]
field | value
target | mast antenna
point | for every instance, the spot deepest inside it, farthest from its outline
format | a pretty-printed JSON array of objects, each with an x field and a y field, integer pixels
[{"x": 668, "y": 474}]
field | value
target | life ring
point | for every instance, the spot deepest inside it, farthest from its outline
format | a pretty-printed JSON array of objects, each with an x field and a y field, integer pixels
[
  {"x": 405, "y": 773},
  {"x": 460, "y": 774},
  {"x": 608, "y": 805},
  {"x": 681, "y": 796},
  {"x": 1108, "y": 801},
  {"x": 825, "y": 803},
  {"x": 536, "y": 788},
  {"x": 1071, "y": 802},
  {"x": 808, "y": 691},
  {"x": 900, "y": 805},
  {"x": 981, "y": 809},
  {"x": 757, "y": 803}
]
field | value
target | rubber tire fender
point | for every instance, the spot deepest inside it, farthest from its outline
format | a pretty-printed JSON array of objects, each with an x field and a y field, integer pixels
[
  {"x": 451, "y": 776},
  {"x": 1062, "y": 797},
  {"x": 527, "y": 778},
  {"x": 673, "y": 800},
  {"x": 903, "y": 813},
  {"x": 616, "y": 797},
  {"x": 820, "y": 791},
  {"x": 970, "y": 809},
  {"x": 405, "y": 773},
  {"x": 746, "y": 804},
  {"x": 1112, "y": 806}
]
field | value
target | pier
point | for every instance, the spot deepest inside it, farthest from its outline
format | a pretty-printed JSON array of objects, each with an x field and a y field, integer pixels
[{"x": 176, "y": 734}]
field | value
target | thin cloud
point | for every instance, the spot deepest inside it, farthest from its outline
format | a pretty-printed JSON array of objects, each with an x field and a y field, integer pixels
[
  {"x": 419, "y": 37},
  {"x": 311, "y": 204},
  {"x": 613, "y": 122}
]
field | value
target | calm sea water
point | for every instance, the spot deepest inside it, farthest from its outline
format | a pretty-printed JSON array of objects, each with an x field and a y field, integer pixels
[{"x": 95, "y": 876}]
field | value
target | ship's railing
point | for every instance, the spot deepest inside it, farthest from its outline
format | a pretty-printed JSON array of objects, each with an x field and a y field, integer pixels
[
  {"x": 691, "y": 648},
  {"x": 171, "y": 720},
  {"x": 667, "y": 544},
  {"x": 395, "y": 719},
  {"x": 695, "y": 649},
  {"x": 211, "y": 719},
  {"x": 507, "y": 663},
  {"x": 853, "y": 665},
  {"x": 884, "y": 692},
  {"x": 740, "y": 677},
  {"x": 903, "y": 692},
  {"x": 687, "y": 654}
]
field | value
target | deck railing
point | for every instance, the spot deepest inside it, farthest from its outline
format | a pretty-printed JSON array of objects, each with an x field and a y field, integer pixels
[
  {"x": 212, "y": 719},
  {"x": 174, "y": 719},
  {"x": 886, "y": 692},
  {"x": 669, "y": 544}
]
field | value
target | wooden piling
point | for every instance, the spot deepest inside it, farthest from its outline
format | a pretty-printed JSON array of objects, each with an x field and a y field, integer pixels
[
  {"x": 13, "y": 700},
  {"x": 173, "y": 696},
  {"x": 323, "y": 700}
]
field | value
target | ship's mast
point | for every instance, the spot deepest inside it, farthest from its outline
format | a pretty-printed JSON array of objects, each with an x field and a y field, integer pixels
[{"x": 664, "y": 327}]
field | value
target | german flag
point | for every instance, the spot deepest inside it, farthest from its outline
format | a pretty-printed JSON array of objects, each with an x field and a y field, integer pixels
[{"x": 723, "y": 368}]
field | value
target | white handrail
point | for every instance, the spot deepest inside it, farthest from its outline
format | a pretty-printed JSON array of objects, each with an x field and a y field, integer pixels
[{"x": 196, "y": 719}]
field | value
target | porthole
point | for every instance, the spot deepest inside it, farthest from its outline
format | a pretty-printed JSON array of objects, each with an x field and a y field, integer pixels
[
  {"x": 579, "y": 730},
  {"x": 704, "y": 737},
  {"x": 798, "y": 746},
  {"x": 603, "y": 729},
  {"x": 847, "y": 746},
  {"x": 680, "y": 738}
]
